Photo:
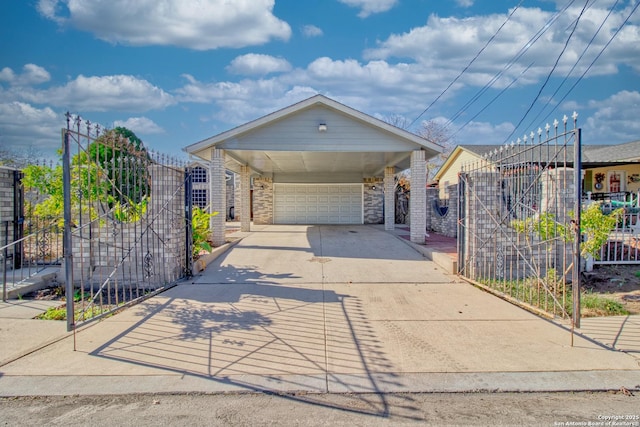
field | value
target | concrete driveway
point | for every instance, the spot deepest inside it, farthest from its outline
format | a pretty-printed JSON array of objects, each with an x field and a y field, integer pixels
[{"x": 321, "y": 309}]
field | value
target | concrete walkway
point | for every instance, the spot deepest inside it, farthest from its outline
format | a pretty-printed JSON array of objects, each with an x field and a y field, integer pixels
[{"x": 324, "y": 309}]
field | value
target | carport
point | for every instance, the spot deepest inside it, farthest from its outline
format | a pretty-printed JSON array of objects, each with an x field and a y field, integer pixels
[{"x": 316, "y": 162}]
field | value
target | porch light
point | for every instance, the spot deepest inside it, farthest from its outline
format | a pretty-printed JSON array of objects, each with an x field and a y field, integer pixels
[{"x": 322, "y": 127}]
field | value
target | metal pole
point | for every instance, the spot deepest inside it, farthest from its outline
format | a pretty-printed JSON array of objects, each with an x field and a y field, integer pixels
[
  {"x": 577, "y": 169},
  {"x": 188, "y": 212},
  {"x": 4, "y": 262},
  {"x": 67, "y": 250}
]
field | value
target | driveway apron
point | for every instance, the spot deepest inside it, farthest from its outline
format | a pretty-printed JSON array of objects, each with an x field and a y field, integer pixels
[{"x": 317, "y": 309}]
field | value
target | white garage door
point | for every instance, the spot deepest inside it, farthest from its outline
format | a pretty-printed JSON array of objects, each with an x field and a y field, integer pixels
[{"x": 317, "y": 204}]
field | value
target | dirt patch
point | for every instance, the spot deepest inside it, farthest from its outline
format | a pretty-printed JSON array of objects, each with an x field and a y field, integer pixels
[{"x": 618, "y": 282}]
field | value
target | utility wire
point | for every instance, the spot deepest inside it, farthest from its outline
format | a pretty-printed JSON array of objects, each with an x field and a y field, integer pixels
[
  {"x": 469, "y": 64},
  {"x": 594, "y": 59},
  {"x": 513, "y": 61},
  {"x": 566, "y": 77},
  {"x": 555, "y": 65},
  {"x": 491, "y": 102}
]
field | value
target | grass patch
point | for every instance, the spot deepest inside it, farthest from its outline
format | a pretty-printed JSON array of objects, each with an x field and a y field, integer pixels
[
  {"x": 60, "y": 312},
  {"x": 532, "y": 292},
  {"x": 593, "y": 305}
]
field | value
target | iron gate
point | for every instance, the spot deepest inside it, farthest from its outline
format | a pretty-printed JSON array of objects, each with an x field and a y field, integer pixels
[
  {"x": 127, "y": 215},
  {"x": 519, "y": 218}
]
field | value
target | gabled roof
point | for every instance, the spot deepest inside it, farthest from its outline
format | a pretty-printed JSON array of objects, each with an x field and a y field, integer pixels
[
  {"x": 290, "y": 141},
  {"x": 629, "y": 151},
  {"x": 592, "y": 155},
  {"x": 305, "y": 104}
]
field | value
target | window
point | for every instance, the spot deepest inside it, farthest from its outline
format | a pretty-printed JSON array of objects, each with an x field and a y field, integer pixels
[
  {"x": 199, "y": 198},
  {"x": 198, "y": 174},
  {"x": 617, "y": 181}
]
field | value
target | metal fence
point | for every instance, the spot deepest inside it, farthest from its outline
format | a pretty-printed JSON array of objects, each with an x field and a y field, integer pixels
[
  {"x": 517, "y": 220},
  {"x": 127, "y": 219},
  {"x": 623, "y": 246},
  {"x": 31, "y": 240}
]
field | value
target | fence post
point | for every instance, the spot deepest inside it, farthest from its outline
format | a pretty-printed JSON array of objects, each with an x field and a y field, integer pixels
[
  {"x": 67, "y": 249},
  {"x": 188, "y": 214},
  {"x": 577, "y": 182}
]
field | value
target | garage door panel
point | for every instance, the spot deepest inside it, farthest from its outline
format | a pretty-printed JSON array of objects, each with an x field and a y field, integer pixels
[{"x": 318, "y": 204}]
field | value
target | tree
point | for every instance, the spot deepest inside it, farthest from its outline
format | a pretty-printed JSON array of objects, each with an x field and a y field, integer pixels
[
  {"x": 123, "y": 161},
  {"x": 112, "y": 174},
  {"x": 438, "y": 133}
]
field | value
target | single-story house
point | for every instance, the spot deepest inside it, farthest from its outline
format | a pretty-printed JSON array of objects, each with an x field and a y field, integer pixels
[
  {"x": 607, "y": 168},
  {"x": 316, "y": 162}
]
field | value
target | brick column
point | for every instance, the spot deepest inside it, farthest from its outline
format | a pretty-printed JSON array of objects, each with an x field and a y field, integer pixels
[
  {"x": 218, "y": 197},
  {"x": 418, "y": 200},
  {"x": 237, "y": 199},
  {"x": 389, "y": 199},
  {"x": 245, "y": 198}
]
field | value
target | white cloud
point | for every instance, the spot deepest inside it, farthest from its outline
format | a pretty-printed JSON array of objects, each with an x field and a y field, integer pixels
[
  {"x": 202, "y": 25},
  {"x": 140, "y": 125},
  {"x": 7, "y": 75},
  {"x": 464, "y": 3},
  {"x": 23, "y": 126},
  {"x": 446, "y": 44},
  {"x": 31, "y": 75},
  {"x": 481, "y": 133},
  {"x": 369, "y": 7},
  {"x": 311, "y": 31},
  {"x": 257, "y": 64},
  {"x": 101, "y": 93},
  {"x": 615, "y": 118}
]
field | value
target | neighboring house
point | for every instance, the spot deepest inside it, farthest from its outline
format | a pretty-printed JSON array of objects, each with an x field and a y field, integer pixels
[
  {"x": 612, "y": 168},
  {"x": 607, "y": 168},
  {"x": 317, "y": 162}
]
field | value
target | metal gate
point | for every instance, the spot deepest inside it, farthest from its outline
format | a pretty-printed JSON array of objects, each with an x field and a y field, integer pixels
[
  {"x": 127, "y": 218},
  {"x": 519, "y": 213}
]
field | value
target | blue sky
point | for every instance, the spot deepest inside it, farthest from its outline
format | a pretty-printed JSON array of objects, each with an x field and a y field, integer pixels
[{"x": 179, "y": 71}]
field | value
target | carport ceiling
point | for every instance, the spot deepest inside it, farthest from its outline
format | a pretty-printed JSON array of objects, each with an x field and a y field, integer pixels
[
  {"x": 292, "y": 141},
  {"x": 299, "y": 162}
]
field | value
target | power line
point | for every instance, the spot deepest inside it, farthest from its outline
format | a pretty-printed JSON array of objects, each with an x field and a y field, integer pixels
[
  {"x": 595, "y": 59},
  {"x": 555, "y": 65},
  {"x": 566, "y": 77},
  {"x": 492, "y": 101},
  {"x": 512, "y": 62},
  {"x": 469, "y": 64}
]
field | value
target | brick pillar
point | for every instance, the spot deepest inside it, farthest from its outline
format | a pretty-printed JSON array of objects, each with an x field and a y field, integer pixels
[
  {"x": 237, "y": 199},
  {"x": 218, "y": 197},
  {"x": 389, "y": 199},
  {"x": 245, "y": 198},
  {"x": 418, "y": 201}
]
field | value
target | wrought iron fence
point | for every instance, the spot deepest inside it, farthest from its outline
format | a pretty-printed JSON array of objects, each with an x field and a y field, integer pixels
[
  {"x": 127, "y": 221},
  {"x": 32, "y": 238},
  {"x": 517, "y": 217}
]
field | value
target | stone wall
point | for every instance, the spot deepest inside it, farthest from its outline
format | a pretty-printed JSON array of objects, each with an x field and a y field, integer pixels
[
  {"x": 151, "y": 251},
  {"x": 493, "y": 249},
  {"x": 262, "y": 201},
  {"x": 442, "y": 220},
  {"x": 374, "y": 201},
  {"x": 6, "y": 204}
]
